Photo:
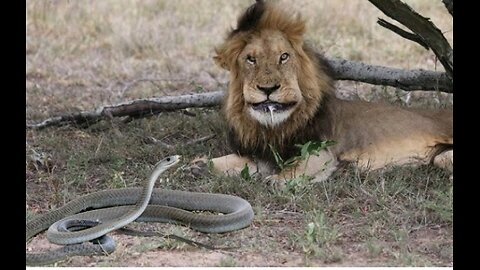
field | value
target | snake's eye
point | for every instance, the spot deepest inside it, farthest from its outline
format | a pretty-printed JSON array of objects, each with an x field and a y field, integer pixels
[{"x": 168, "y": 159}]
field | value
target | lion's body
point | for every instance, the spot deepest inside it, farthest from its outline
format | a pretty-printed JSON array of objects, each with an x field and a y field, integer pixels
[
  {"x": 281, "y": 94},
  {"x": 378, "y": 134}
]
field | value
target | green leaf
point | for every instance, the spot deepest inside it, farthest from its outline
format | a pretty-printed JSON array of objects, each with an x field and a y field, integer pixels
[
  {"x": 245, "y": 173},
  {"x": 307, "y": 149},
  {"x": 313, "y": 148}
]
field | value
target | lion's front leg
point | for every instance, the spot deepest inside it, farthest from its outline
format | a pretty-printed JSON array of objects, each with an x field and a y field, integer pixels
[
  {"x": 232, "y": 164},
  {"x": 318, "y": 167}
]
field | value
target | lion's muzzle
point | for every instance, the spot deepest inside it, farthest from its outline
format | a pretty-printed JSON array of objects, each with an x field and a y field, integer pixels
[{"x": 269, "y": 89}]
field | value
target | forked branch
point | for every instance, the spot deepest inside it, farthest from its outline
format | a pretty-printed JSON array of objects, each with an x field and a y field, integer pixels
[
  {"x": 449, "y": 5},
  {"x": 403, "y": 33},
  {"x": 422, "y": 27}
]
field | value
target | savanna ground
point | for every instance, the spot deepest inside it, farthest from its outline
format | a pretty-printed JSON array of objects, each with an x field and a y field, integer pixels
[{"x": 82, "y": 55}]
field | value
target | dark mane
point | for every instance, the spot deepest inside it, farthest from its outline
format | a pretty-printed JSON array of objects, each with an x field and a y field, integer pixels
[
  {"x": 317, "y": 128},
  {"x": 306, "y": 124},
  {"x": 250, "y": 17}
]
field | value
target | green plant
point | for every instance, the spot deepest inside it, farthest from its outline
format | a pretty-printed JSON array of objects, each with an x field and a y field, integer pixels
[
  {"x": 245, "y": 173},
  {"x": 300, "y": 184},
  {"x": 318, "y": 237},
  {"x": 306, "y": 150}
]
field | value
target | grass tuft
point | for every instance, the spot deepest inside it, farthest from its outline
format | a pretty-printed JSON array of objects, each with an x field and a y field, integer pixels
[
  {"x": 82, "y": 55},
  {"x": 318, "y": 238}
]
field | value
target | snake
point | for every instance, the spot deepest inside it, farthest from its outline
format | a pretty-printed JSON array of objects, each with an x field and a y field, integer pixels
[{"x": 82, "y": 224}]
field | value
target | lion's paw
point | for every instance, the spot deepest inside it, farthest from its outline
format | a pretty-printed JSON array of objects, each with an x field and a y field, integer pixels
[{"x": 199, "y": 167}]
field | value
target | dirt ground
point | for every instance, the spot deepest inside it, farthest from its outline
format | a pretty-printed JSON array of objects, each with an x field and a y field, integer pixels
[
  {"x": 267, "y": 243},
  {"x": 82, "y": 55}
]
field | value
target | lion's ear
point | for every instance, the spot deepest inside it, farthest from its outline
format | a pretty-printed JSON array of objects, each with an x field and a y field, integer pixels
[
  {"x": 220, "y": 61},
  {"x": 228, "y": 52}
]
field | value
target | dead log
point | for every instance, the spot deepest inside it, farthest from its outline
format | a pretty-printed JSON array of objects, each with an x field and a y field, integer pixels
[
  {"x": 134, "y": 108},
  {"x": 409, "y": 80},
  {"x": 416, "y": 79}
]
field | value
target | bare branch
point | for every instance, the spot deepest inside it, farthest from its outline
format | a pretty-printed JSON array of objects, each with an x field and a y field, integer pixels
[
  {"x": 421, "y": 26},
  {"x": 153, "y": 140},
  {"x": 201, "y": 139},
  {"x": 403, "y": 33},
  {"x": 449, "y": 5},
  {"x": 135, "y": 108},
  {"x": 414, "y": 79}
]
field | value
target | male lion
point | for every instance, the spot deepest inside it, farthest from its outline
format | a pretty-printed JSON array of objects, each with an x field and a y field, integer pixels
[{"x": 281, "y": 94}]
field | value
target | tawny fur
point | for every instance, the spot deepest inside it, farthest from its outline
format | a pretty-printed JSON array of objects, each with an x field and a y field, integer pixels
[{"x": 370, "y": 134}]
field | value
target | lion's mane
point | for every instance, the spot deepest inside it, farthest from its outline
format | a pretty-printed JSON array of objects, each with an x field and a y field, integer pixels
[{"x": 248, "y": 137}]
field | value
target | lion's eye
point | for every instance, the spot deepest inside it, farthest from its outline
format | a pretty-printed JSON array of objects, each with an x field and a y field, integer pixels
[
  {"x": 251, "y": 60},
  {"x": 284, "y": 57}
]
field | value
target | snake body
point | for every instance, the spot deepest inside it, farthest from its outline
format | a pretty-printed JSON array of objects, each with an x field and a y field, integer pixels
[{"x": 113, "y": 209}]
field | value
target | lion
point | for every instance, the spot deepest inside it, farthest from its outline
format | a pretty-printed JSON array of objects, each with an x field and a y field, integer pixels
[{"x": 281, "y": 94}]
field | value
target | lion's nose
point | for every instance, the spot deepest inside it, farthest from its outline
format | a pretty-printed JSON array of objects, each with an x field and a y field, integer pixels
[{"x": 269, "y": 89}]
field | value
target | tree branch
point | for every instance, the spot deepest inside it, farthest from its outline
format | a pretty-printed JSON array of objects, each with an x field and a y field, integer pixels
[
  {"x": 449, "y": 5},
  {"x": 421, "y": 26},
  {"x": 416, "y": 79},
  {"x": 134, "y": 108},
  {"x": 153, "y": 140},
  {"x": 403, "y": 33}
]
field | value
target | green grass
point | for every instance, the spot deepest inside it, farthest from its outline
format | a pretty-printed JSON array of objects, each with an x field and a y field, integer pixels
[
  {"x": 318, "y": 238},
  {"x": 361, "y": 207},
  {"x": 84, "y": 55}
]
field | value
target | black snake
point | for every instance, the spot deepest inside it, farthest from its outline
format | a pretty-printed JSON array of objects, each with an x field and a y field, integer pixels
[{"x": 109, "y": 210}]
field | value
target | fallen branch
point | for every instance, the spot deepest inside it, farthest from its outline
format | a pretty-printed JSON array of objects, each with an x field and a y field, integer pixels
[
  {"x": 135, "y": 108},
  {"x": 416, "y": 79},
  {"x": 153, "y": 140},
  {"x": 409, "y": 80},
  {"x": 201, "y": 139},
  {"x": 423, "y": 27}
]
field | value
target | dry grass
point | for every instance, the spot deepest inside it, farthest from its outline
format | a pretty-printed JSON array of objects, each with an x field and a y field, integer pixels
[{"x": 81, "y": 55}]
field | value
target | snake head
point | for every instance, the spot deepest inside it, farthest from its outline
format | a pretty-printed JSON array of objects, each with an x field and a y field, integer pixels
[{"x": 168, "y": 161}]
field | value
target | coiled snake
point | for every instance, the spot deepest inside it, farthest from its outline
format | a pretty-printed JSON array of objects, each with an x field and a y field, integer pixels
[{"x": 115, "y": 208}]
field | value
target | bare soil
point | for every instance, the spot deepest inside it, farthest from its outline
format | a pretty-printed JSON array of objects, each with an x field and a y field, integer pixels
[
  {"x": 266, "y": 243},
  {"x": 82, "y": 55}
]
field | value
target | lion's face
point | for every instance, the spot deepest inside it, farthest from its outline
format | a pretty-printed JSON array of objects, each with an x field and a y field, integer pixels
[
  {"x": 277, "y": 83},
  {"x": 268, "y": 67}
]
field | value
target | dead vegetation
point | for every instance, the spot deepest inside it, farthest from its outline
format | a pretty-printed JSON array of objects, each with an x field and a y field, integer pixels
[{"x": 84, "y": 55}]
